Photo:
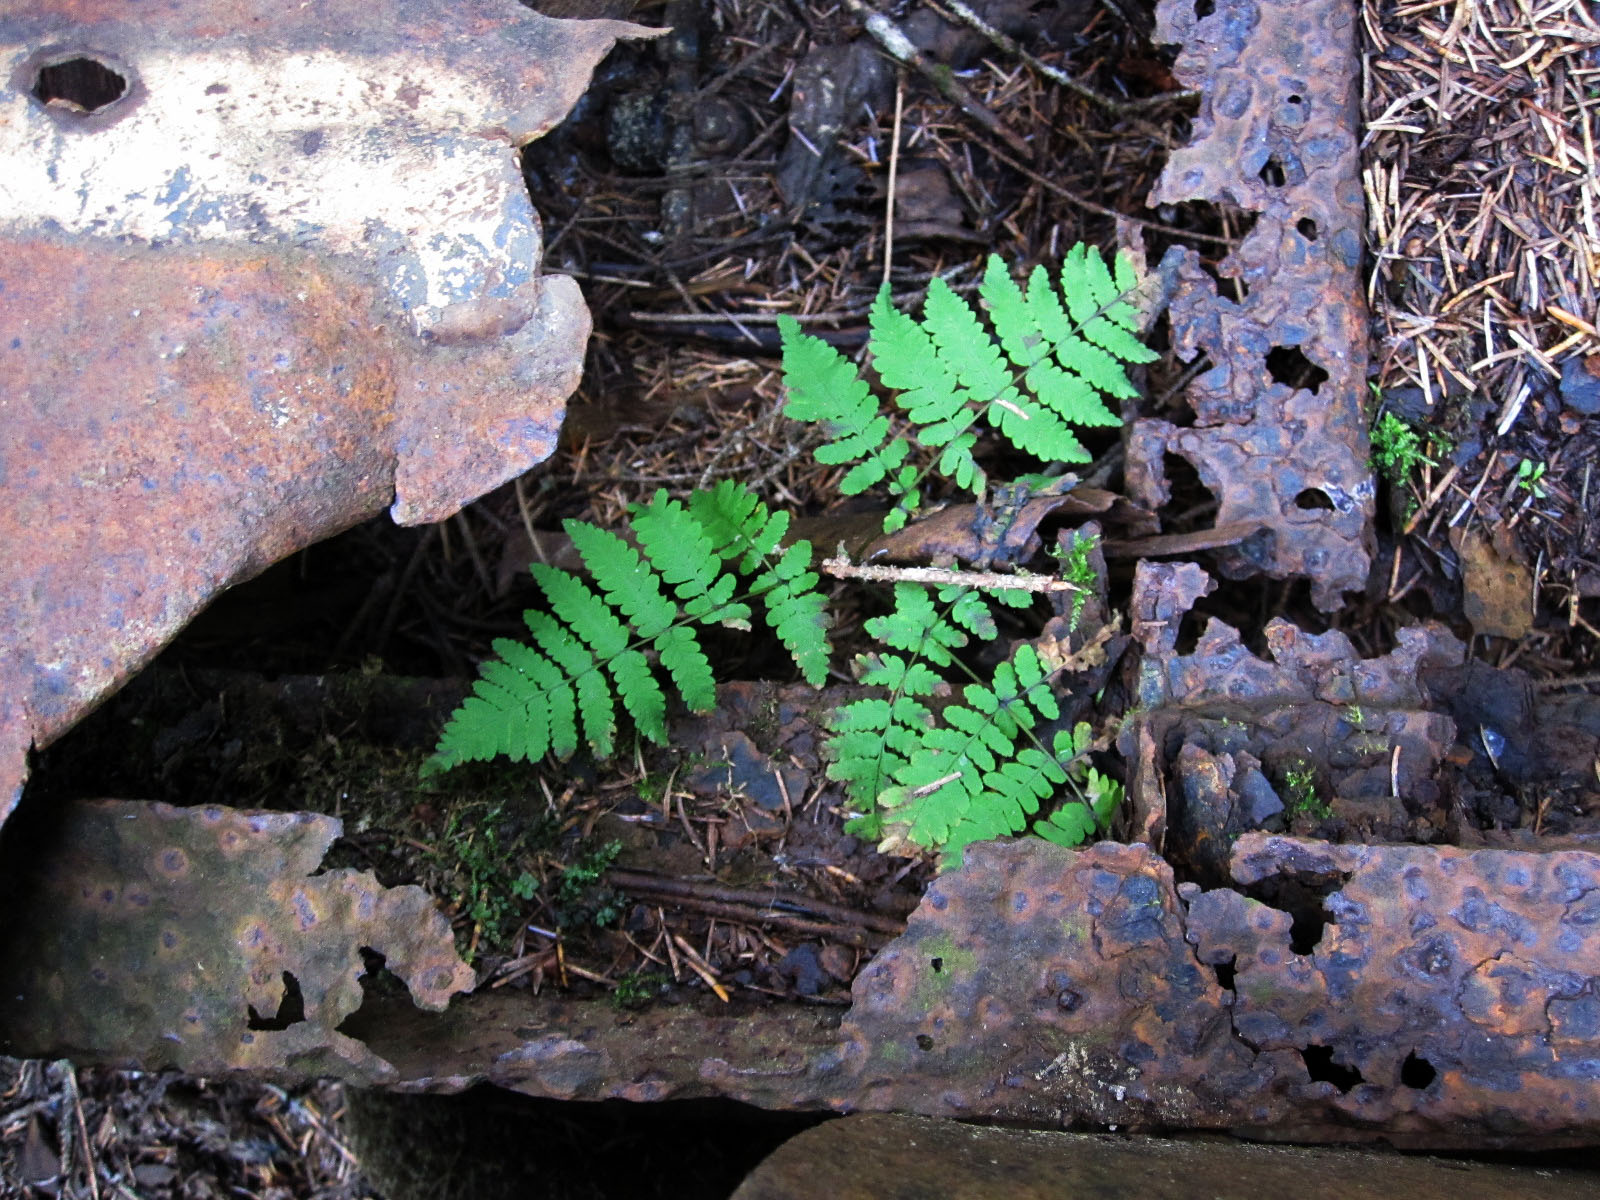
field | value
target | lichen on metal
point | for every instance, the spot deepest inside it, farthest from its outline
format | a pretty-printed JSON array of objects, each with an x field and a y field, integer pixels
[
  {"x": 268, "y": 269},
  {"x": 206, "y": 939},
  {"x": 1279, "y": 435}
]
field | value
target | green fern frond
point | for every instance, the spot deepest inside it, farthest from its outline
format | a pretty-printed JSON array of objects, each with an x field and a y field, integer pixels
[
  {"x": 921, "y": 771},
  {"x": 600, "y": 644},
  {"x": 1050, "y": 365},
  {"x": 923, "y": 764},
  {"x": 825, "y": 389},
  {"x": 1076, "y": 821},
  {"x": 874, "y": 738},
  {"x": 969, "y": 779},
  {"x": 682, "y": 550},
  {"x": 1098, "y": 799}
]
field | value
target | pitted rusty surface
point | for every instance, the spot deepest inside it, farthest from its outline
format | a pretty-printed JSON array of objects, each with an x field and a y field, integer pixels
[
  {"x": 1050, "y": 986},
  {"x": 161, "y": 936},
  {"x": 1047, "y": 983},
  {"x": 1455, "y": 991},
  {"x": 1436, "y": 998},
  {"x": 1276, "y": 135},
  {"x": 267, "y": 270},
  {"x": 1217, "y": 725}
]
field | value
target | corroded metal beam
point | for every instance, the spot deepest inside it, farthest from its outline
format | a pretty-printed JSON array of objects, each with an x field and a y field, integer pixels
[{"x": 1279, "y": 433}]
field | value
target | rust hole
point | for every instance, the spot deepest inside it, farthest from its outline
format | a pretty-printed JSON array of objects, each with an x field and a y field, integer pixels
[
  {"x": 1190, "y": 628},
  {"x": 1300, "y": 894},
  {"x": 1307, "y": 228},
  {"x": 82, "y": 83},
  {"x": 1272, "y": 173},
  {"x": 1288, "y": 365},
  {"x": 1417, "y": 1072},
  {"x": 1306, "y": 931},
  {"x": 937, "y": 964},
  {"x": 1313, "y": 498},
  {"x": 291, "y": 1009},
  {"x": 924, "y": 1042},
  {"x": 1225, "y": 972},
  {"x": 1190, "y": 504},
  {"x": 1322, "y": 1069},
  {"x": 1203, "y": 9}
]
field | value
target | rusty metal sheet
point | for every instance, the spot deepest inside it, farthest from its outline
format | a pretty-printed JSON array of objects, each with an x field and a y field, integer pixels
[
  {"x": 1448, "y": 989},
  {"x": 1439, "y": 996},
  {"x": 1275, "y": 441},
  {"x": 206, "y": 939},
  {"x": 267, "y": 270}
]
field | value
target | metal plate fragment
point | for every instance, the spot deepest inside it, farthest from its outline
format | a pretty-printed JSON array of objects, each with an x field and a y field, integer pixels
[
  {"x": 1434, "y": 997},
  {"x": 267, "y": 270},
  {"x": 1440, "y": 996},
  {"x": 1446, "y": 988},
  {"x": 205, "y": 939},
  {"x": 1216, "y": 726},
  {"x": 1279, "y": 435}
]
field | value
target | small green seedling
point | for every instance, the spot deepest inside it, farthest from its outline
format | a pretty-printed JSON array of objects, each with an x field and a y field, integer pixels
[
  {"x": 1077, "y": 569},
  {"x": 1529, "y": 478},
  {"x": 1300, "y": 782}
]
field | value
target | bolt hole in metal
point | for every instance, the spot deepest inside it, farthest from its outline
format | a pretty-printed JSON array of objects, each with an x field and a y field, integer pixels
[
  {"x": 1314, "y": 498},
  {"x": 80, "y": 83}
]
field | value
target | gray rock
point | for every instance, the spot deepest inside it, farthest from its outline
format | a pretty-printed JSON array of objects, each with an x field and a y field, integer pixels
[{"x": 1580, "y": 384}]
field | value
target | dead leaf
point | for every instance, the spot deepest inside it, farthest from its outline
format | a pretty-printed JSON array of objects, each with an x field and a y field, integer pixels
[{"x": 1497, "y": 590}]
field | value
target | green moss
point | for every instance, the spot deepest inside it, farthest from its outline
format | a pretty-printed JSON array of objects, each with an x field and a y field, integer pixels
[
  {"x": 637, "y": 989},
  {"x": 482, "y": 855},
  {"x": 581, "y": 898}
]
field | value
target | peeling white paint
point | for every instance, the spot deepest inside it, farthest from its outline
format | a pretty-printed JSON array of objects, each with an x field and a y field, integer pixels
[{"x": 327, "y": 151}]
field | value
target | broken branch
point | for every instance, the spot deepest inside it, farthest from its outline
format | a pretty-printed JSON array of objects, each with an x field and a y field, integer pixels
[{"x": 842, "y": 568}]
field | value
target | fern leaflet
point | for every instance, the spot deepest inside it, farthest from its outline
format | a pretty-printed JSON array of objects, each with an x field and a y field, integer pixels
[{"x": 601, "y": 642}]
